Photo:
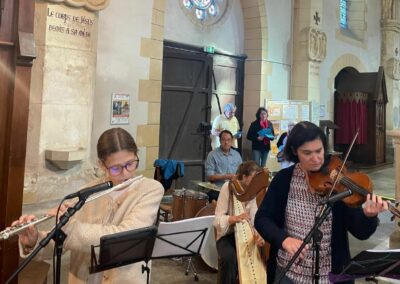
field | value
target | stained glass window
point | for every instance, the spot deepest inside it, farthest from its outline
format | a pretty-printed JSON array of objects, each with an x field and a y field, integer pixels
[
  {"x": 343, "y": 14},
  {"x": 207, "y": 12}
]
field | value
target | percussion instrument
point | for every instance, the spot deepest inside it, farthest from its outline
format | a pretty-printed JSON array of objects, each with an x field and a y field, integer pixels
[
  {"x": 186, "y": 203},
  {"x": 209, "y": 254},
  {"x": 177, "y": 204},
  {"x": 206, "y": 184}
]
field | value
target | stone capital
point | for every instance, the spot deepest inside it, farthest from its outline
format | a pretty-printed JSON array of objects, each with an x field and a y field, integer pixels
[
  {"x": 393, "y": 68},
  {"x": 90, "y": 5},
  {"x": 390, "y": 25},
  {"x": 395, "y": 134}
]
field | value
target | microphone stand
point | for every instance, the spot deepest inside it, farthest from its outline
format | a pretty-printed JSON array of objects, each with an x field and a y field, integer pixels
[
  {"x": 316, "y": 234},
  {"x": 307, "y": 239},
  {"x": 317, "y": 237},
  {"x": 58, "y": 236}
]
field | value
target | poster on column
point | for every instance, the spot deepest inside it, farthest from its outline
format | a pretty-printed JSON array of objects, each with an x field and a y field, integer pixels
[{"x": 120, "y": 108}]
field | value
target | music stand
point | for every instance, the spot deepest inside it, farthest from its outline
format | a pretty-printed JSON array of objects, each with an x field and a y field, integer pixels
[
  {"x": 182, "y": 238},
  {"x": 370, "y": 264},
  {"x": 124, "y": 248}
]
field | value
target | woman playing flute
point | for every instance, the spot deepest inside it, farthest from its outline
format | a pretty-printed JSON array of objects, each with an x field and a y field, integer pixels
[{"x": 132, "y": 207}]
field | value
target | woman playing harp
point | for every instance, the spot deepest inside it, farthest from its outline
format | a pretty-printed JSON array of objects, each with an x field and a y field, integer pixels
[{"x": 225, "y": 220}]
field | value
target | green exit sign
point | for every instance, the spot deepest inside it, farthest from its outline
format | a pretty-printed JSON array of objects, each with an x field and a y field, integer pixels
[{"x": 209, "y": 49}]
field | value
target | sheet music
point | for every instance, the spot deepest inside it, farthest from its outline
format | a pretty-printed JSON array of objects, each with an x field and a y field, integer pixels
[{"x": 184, "y": 237}]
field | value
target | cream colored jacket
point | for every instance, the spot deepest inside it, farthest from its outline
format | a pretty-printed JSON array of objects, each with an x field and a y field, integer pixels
[
  {"x": 225, "y": 209},
  {"x": 136, "y": 208}
]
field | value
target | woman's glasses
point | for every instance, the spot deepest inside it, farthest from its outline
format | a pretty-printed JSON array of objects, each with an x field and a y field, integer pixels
[{"x": 129, "y": 166}]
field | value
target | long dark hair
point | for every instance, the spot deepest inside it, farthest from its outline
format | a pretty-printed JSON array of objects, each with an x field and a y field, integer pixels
[
  {"x": 114, "y": 140},
  {"x": 301, "y": 133}
]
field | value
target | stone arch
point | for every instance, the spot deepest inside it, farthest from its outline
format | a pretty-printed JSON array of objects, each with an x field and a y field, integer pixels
[{"x": 346, "y": 60}]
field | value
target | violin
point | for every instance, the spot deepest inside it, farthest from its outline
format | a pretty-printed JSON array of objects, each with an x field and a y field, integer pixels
[{"x": 334, "y": 177}]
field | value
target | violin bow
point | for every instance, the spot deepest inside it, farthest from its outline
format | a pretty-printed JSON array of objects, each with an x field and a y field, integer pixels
[{"x": 344, "y": 162}]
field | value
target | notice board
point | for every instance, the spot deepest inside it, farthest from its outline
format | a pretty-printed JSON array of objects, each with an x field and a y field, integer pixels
[{"x": 280, "y": 113}]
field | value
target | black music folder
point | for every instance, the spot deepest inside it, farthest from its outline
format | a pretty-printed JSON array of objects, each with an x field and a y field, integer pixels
[
  {"x": 372, "y": 263},
  {"x": 123, "y": 248}
]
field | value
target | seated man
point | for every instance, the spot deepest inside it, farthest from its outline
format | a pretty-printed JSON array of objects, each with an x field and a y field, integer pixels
[
  {"x": 222, "y": 163},
  {"x": 225, "y": 220}
]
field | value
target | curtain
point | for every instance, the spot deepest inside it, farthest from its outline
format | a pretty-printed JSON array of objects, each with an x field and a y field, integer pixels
[{"x": 351, "y": 114}]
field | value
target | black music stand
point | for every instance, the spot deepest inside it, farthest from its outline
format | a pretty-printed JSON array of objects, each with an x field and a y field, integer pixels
[
  {"x": 183, "y": 238},
  {"x": 370, "y": 264},
  {"x": 124, "y": 248}
]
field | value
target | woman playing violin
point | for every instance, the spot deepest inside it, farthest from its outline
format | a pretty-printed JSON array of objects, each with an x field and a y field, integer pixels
[{"x": 289, "y": 208}]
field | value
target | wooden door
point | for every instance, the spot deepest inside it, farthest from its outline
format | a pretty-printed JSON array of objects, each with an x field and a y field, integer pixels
[
  {"x": 185, "y": 109},
  {"x": 228, "y": 78},
  {"x": 16, "y": 27}
]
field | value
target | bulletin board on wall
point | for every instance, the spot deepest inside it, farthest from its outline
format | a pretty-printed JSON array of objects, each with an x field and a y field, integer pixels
[{"x": 281, "y": 113}]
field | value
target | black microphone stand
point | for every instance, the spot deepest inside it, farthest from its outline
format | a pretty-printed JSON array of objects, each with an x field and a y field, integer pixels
[
  {"x": 58, "y": 236},
  {"x": 316, "y": 234}
]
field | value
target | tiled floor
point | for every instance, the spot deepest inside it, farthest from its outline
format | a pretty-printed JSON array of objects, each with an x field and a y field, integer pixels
[{"x": 173, "y": 271}]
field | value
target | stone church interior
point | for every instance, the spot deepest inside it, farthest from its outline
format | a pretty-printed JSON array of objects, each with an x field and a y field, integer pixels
[{"x": 163, "y": 72}]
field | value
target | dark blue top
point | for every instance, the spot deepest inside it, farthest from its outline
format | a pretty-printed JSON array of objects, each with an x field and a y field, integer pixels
[
  {"x": 252, "y": 135},
  {"x": 270, "y": 218}
]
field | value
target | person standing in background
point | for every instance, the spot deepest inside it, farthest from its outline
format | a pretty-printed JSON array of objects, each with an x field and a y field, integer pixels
[
  {"x": 260, "y": 133},
  {"x": 281, "y": 147},
  {"x": 227, "y": 121}
]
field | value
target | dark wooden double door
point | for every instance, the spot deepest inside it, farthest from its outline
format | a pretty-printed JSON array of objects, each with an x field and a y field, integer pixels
[
  {"x": 185, "y": 109},
  {"x": 188, "y": 85}
]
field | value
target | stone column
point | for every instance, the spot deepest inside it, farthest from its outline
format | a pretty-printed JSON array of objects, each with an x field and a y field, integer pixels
[
  {"x": 257, "y": 66},
  {"x": 309, "y": 49},
  {"x": 62, "y": 96},
  {"x": 390, "y": 54},
  {"x": 395, "y": 236}
]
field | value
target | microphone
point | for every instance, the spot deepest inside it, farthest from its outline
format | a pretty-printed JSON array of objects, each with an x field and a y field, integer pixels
[
  {"x": 84, "y": 193},
  {"x": 338, "y": 197}
]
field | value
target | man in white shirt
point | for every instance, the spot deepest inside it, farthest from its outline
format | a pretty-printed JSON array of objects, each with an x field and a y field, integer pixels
[{"x": 226, "y": 121}]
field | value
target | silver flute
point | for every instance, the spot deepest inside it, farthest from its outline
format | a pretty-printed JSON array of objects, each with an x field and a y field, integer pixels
[{"x": 11, "y": 231}]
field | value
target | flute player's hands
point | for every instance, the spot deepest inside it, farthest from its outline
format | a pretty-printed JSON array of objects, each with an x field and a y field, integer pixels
[
  {"x": 63, "y": 208},
  {"x": 28, "y": 237}
]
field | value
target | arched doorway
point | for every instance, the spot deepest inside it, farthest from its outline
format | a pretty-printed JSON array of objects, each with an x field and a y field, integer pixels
[{"x": 360, "y": 104}]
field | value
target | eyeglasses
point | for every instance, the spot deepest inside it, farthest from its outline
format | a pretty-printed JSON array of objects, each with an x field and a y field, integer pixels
[{"x": 129, "y": 166}]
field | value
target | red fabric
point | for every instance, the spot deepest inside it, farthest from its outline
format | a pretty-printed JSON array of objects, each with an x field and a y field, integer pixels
[
  {"x": 350, "y": 116},
  {"x": 264, "y": 124}
]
